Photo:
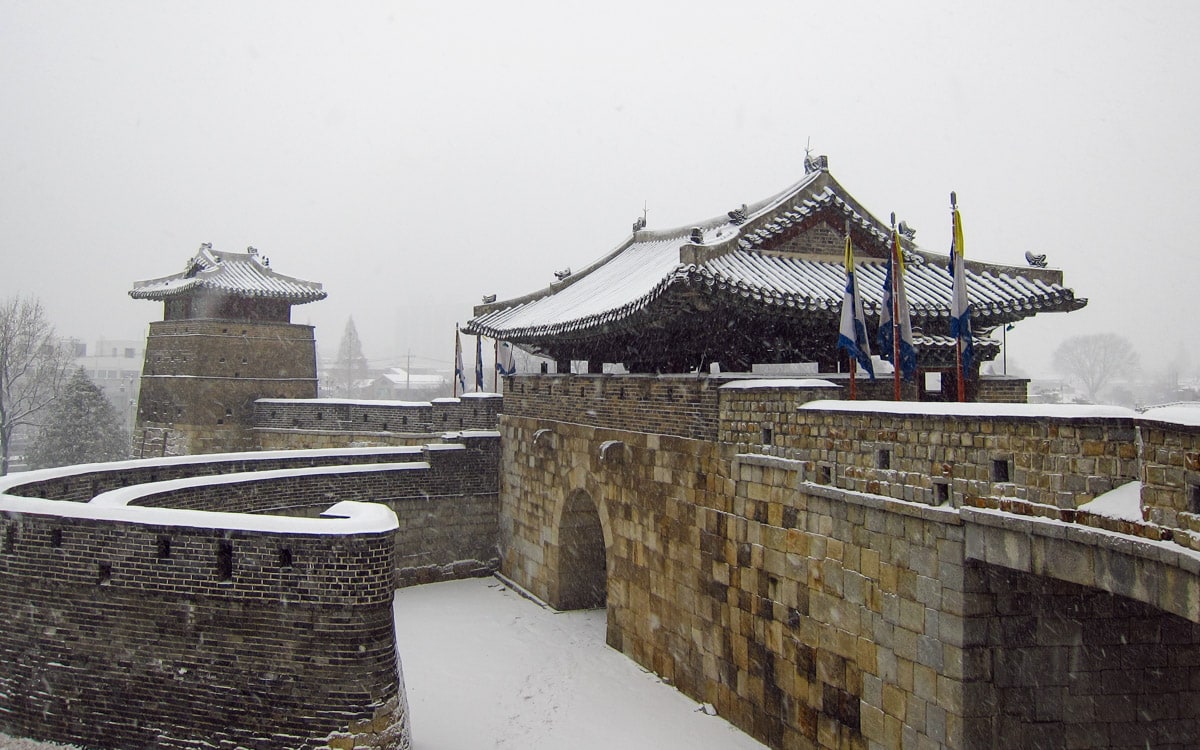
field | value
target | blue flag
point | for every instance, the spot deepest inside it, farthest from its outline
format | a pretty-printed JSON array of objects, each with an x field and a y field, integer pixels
[
  {"x": 960, "y": 305},
  {"x": 478, "y": 363},
  {"x": 893, "y": 294},
  {"x": 852, "y": 333}
]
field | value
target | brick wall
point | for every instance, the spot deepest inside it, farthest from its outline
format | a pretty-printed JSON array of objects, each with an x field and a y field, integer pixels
[
  {"x": 447, "y": 507},
  {"x": 1065, "y": 666},
  {"x": 1170, "y": 474},
  {"x": 120, "y": 634},
  {"x": 201, "y": 378},
  {"x": 1060, "y": 462},
  {"x": 674, "y": 404},
  {"x": 470, "y": 412}
]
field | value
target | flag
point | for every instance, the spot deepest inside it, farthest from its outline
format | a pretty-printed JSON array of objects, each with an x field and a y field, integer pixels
[
  {"x": 852, "y": 334},
  {"x": 908, "y": 353},
  {"x": 960, "y": 306},
  {"x": 506, "y": 363},
  {"x": 478, "y": 363},
  {"x": 460, "y": 372}
]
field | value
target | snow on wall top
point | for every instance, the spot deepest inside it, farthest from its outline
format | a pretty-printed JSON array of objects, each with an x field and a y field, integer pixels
[
  {"x": 974, "y": 410},
  {"x": 345, "y": 517},
  {"x": 742, "y": 385},
  {"x": 64, "y": 472},
  {"x": 1187, "y": 415},
  {"x": 240, "y": 274},
  {"x": 1123, "y": 503},
  {"x": 342, "y": 402}
]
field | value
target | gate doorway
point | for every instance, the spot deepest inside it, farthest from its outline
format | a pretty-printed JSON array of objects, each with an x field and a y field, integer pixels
[{"x": 582, "y": 565}]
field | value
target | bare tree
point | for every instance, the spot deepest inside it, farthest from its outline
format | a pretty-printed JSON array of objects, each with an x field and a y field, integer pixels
[
  {"x": 1094, "y": 360},
  {"x": 33, "y": 365}
]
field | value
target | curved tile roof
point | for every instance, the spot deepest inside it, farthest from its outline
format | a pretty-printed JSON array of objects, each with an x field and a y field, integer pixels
[
  {"x": 240, "y": 274},
  {"x": 733, "y": 257}
]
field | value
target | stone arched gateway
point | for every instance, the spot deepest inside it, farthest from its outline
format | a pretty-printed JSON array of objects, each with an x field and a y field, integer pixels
[{"x": 581, "y": 570}]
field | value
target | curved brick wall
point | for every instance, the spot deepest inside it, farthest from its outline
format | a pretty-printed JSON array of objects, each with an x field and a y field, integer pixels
[
  {"x": 173, "y": 609},
  {"x": 121, "y": 633}
]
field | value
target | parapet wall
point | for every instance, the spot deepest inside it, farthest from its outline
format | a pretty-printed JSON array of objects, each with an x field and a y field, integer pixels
[
  {"x": 167, "y": 628},
  {"x": 444, "y": 495},
  {"x": 472, "y": 411},
  {"x": 913, "y": 452},
  {"x": 695, "y": 406},
  {"x": 684, "y": 405}
]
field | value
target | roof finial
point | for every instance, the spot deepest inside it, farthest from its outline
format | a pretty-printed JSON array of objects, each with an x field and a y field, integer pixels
[
  {"x": 814, "y": 163},
  {"x": 640, "y": 223}
]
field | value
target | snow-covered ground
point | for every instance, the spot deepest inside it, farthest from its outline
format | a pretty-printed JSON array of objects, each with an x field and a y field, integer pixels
[{"x": 487, "y": 668}]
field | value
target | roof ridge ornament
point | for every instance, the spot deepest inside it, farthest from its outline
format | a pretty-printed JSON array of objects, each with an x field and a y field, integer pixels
[
  {"x": 815, "y": 163},
  {"x": 697, "y": 236},
  {"x": 738, "y": 216}
]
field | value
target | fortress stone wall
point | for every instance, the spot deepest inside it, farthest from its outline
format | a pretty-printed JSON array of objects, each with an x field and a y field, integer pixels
[
  {"x": 121, "y": 633},
  {"x": 861, "y": 576},
  {"x": 339, "y": 423},
  {"x": 825, "y": 573},
  {"x": 181, "y": 601}
]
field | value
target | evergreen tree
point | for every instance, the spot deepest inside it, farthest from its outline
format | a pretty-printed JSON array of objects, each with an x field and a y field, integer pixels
[
  {"x": 82, "y": 427},
  {"x": 350, "y": 370}
]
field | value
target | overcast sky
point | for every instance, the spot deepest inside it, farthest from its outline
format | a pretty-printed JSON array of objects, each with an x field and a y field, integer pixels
[{"x": 413, "y": 157}]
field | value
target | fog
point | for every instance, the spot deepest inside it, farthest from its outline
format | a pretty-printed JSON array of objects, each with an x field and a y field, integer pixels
[{"x": 413, "y": 157}]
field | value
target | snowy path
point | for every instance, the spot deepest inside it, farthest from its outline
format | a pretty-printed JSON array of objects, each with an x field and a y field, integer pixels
[{"x": 486, "y": 668}]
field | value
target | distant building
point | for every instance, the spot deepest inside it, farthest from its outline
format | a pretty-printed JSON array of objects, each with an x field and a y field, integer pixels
[
  {"x": 399, "y": 384},
  {"x": 115, "y": 366}
]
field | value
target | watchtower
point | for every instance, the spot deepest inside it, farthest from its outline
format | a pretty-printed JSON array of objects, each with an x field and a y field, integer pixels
[{"x": 226, "y": 339}]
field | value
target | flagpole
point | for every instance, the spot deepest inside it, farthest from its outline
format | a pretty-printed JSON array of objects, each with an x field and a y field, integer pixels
[
  {"x": 958, "y": 363},
  {"x": 457, "y": 358},
  {"x": 895, "y": 313},
  {"x": 496, "y": 368},
  {"x": 853, "y": 359}
]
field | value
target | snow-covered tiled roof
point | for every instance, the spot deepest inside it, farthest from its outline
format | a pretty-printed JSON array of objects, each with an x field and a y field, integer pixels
[
  {"x": 739, "y": 257},
  {"x": 240, "y": 274}
]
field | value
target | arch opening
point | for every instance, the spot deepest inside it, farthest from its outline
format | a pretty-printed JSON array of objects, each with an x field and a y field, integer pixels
[{"x": 582, "y": 562}]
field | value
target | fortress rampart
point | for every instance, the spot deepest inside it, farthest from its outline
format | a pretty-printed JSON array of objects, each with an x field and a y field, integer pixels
[
  {"x": 167, "y": 601},
  {"x": 850, "y": 575},
  {"x": 152, "y": 627},
  {"x": 825, "y": 573}
]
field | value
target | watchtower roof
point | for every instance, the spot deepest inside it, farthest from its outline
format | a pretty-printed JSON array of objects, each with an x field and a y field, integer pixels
[{"x": 245, "y": 274}]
